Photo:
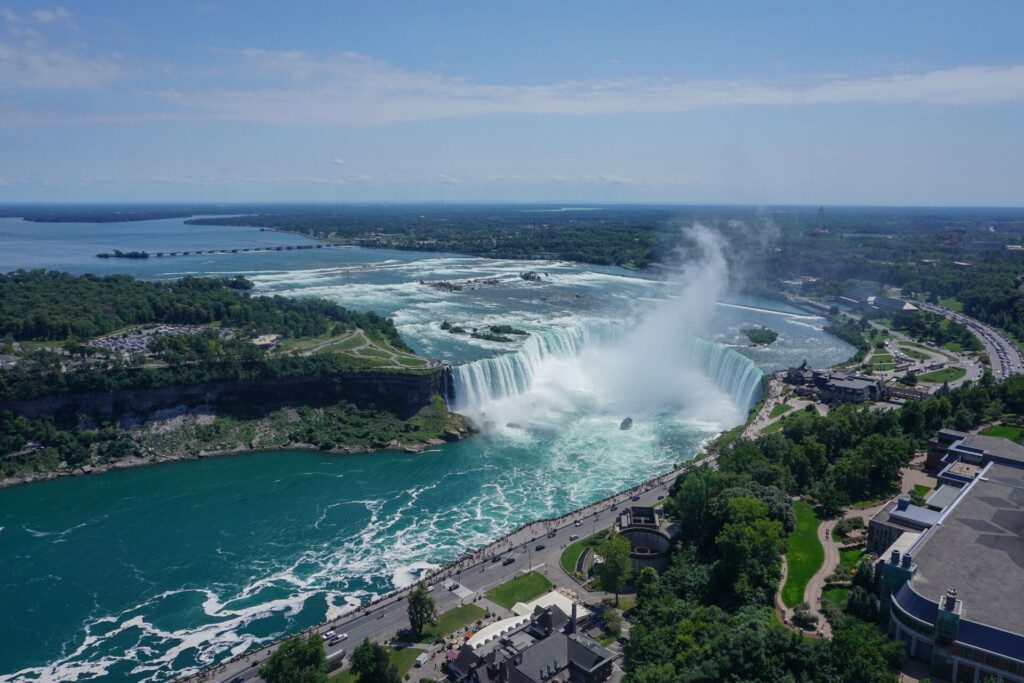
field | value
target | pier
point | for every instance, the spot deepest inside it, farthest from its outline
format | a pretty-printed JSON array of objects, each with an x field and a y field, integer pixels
[{"x": 117, "y": 253}]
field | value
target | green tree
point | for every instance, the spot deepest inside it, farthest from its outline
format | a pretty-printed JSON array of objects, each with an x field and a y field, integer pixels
[
  {"x": 371, "y": 664},
  {"x": 297, "y": 660},
  {"x": 614, "y": 570},
  {"x": 421, "y": 609}
]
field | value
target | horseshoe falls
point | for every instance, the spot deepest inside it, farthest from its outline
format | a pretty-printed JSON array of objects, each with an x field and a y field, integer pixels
[
  {"x": 491, "y": 381},
  {"x": 214, "y": 556}
]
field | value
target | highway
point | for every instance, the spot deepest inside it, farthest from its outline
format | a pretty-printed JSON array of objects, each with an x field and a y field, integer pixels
[
  {"x": 386, "y": 618},
  {"x": 1005, "y": 357}
]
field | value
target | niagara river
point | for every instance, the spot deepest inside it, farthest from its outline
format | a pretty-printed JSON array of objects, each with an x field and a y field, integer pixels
[{"x": 150, "y": 573}]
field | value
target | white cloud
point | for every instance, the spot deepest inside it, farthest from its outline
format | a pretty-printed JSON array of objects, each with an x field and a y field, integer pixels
[
  {"x": 348, "y": 88},
  {"x": 53, "y": 16},
  {"x": 34, "y": 66}
]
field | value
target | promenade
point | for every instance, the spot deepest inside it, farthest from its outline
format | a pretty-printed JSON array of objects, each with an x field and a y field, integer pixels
[{"x": 475, "y": 573}]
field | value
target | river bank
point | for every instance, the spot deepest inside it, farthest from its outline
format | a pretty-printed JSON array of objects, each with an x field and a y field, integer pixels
[{"x": 195, "y": 433}]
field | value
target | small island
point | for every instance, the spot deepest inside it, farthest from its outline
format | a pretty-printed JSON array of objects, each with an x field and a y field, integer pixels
[
  {"x": 495, "y": 333},
  {"x": 761, "y": 336}
]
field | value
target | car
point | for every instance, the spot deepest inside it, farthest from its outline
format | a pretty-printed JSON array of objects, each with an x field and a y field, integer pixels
[
  {"x": 574, "y": 537},
  {"x": 342, "y": 636},
  {"x": 661, "y": 497},
  {"x": 237, "y": 679},
  {"x": 635, "y": 498},
  {"x": 539, "y": 546},
  {"x": 333, "y": 641},
  {"x": 496, "y": 558},
  {"x": 614, "y": 508},
  {"x": 329, "y": 635},
  {"x": 430, "y": 588},
  {"x": 508, "y": 560},
  {"x": 552, "y": 534},
  {"x": 579, "y": 522}
]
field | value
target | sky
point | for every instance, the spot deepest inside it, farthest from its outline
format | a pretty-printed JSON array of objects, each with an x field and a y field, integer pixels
[{"x": 905, "y": 103}]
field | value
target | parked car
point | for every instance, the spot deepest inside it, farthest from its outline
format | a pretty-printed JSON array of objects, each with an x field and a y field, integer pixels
[
  {"x": 579, "y": 522},
  {"x": 496, "y": 558},
  {"x": 635, "y": 498},
  {"x": 333, "y": 641}
]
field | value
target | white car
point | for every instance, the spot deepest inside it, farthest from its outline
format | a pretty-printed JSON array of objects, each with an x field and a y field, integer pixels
[{"x": 329, "y": 635}]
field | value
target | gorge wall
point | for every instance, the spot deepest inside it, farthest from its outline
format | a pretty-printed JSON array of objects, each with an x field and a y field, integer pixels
[{"x": 403, "y": 393}]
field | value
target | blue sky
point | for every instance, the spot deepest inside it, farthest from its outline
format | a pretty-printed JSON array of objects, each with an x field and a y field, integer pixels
[{"x": 909, "y": 103}]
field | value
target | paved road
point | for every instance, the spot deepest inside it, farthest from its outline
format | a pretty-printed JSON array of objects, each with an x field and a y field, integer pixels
[
  {"x": 1004, "y": 355},
  {"x": 387, "y": 618}
]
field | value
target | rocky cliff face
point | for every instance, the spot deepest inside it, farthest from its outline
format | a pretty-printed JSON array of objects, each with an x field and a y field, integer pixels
[{"x": 403, "y": 393}]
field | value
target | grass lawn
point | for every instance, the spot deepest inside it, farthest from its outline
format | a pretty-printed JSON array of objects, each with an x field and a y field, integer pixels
[
  {"x": 849, "y": 559},
  {"x": 402, "y": 659},
  {"x": 911, "y": 353},
  {"x": 780, "y": 409},
  {"x": 1011, "y": 432},
  {"x": 805, "y": 554},
  {"x": 928, "y": 348},
  {"x": 451, "y": 621},
  {"x": 949, "y": 374},
  {"x": 520, "y": 589},
  {"x": 774, "y": 427},
  {"x": 836, "y": 595},
  {"x": 954, "y": 346},
  {"x": 572, "y": 554},
  {"x": 921, "y": 489}
]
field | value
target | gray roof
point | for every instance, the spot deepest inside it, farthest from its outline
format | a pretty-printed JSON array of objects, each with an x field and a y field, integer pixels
[
  {"x": 943, "y": 496},
  {"x": 978, "y": 549},
  {"x": 915, "y": 515},
  {"x": 545, "y": 657},
  {"x": 994, "y": 445}
]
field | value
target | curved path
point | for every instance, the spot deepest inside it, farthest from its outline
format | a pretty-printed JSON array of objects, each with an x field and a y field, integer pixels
[{"x": 816, "y": 584}]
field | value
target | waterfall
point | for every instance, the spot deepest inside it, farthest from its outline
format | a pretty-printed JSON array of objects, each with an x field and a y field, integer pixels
[
  {"x": 510, "y": 374},
  {"x": 513, "y": 373}
]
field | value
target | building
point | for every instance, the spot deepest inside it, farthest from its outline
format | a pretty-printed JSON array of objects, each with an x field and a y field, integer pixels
[
  {"x": 952, "y": 580},
  {"x": 649, "y": 542},
  {"x": 850, "y": 388},
  {"x": 952, "y": 447},
  {"x": 889, "y": 307},
  {"x": 543, "y": 646},
  {"x": 896, "y": 518}
]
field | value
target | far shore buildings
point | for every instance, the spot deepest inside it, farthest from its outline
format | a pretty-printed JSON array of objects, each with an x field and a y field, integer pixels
[{"x": 952, "y": 570}]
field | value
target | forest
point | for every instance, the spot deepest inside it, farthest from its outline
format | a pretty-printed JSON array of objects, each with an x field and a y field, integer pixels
[{"x": 54, "y": 306}]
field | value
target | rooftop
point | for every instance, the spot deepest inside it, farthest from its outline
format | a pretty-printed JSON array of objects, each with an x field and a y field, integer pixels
[
  {"x": 993, "y": 445},
  {"x": 943, "y": 497},
  {"x": 978, "y": 549}
]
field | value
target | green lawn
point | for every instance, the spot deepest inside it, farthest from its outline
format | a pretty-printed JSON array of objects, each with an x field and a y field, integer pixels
[
  {"x": 849, "y": 559},
  {"x": 954, "y": 346},
  {"x": 402, "y": 659},
  {"x": 774, "y": 427},
  {"x": 921, "y": 489},
  {"x": 1011, "y": 432},
  {"x": 520, "y": 589},
  {"x": 572, "y": 554},
  {"x": 451, "y": 621},
  {"x": 949, "y": 374},
  {"x": 805, "y": 554},
  {"x": 837, "y": 595},
  {"x": 780, "y": 409},
  {"x": 911, "y": 353}
]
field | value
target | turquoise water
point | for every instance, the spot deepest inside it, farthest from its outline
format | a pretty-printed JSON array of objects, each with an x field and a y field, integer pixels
[{"x": 145, "y": 574}]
